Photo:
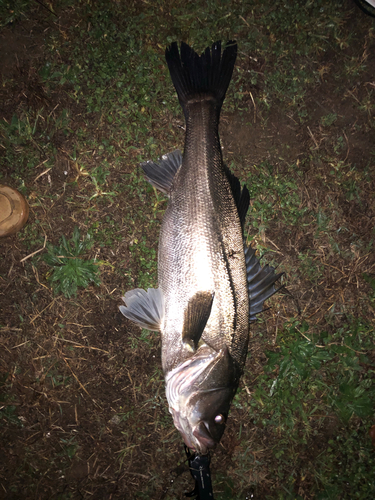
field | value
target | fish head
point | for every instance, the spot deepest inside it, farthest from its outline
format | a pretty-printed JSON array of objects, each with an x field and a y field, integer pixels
[
  {"x": 208, "y": 416},
  {"x": 199, "y": 394}
]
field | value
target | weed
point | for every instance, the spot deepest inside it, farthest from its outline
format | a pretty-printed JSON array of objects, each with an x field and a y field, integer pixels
[
  {"x": 57, "y": 379},
  {"x": 144, "y": 257},
  {"x": 274, "y": 196},
  {"x": 12, "y": 11},
  {"x": 70, "y": 271},
  {"x": 328, "y": 120},
  {"x": 346, "y": 471},
  {"x": 22, "y": 149},
  {"x": 107, "y": 231},
  {"x": 371, "y": 281},
  {"x": 310, "y": 266},
  {"x": 69, "y": 447},
  {"x": 8, "y": 411},
  {"x": 146, "y": 338},
  {"x": 308, "y": 378}
]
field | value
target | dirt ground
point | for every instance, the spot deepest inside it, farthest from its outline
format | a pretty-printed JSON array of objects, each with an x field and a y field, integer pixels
[{"x": 72, "y": 387}]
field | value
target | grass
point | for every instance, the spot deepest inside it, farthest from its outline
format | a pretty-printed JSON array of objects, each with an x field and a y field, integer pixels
[
  {"x": 312, "y": 382},
  {"x": 82, "y": 404},
  {"x": 69, "y": 271},
  {"x": 275, "y": 196}
]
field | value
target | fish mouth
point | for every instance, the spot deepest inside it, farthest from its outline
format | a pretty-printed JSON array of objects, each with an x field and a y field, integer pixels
[
  {"x": 203, "y": 440},
  {"x": 202, "y": 434}
]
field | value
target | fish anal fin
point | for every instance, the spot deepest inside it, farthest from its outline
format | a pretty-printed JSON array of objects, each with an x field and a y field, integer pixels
[
  {"x": 196, "y": 316},
  {"x": 161, "y": 172},
  {"x": 146, "y": 309}
]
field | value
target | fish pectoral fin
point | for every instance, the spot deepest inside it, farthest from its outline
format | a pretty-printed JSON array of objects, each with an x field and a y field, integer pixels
[
  {"x": 144, "y": 308},
  {"x": 196, "y": 316},
  {"x": 260, "y": 282},
  {"x": 161, "y": 172}
]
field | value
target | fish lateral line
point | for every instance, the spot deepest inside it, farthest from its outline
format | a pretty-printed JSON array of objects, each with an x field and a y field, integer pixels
[
  {"x": 147, "y": 309},
  {"x": 161, "y": 174}
]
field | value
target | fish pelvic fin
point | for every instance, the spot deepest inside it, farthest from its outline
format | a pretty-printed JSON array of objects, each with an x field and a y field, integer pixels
[
  {"x": 196, "y": 316},
  {"x": 146, "y": 309},
  {"x": 161, "y": 172},
  {"x": 260, "y": 282},
  {"x": 205, "y": 76}
]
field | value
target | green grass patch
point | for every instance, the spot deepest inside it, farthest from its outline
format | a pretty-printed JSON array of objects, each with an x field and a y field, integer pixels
[
  {"x": 275, "y": 196},
  {"x": 316, "y": 396},
  {"x": 71, "y": 272}
]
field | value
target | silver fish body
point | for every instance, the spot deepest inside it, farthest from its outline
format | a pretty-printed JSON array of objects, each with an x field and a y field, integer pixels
[
  {"x": 201, "y": 246},
  {"x": 207, "y": 278}
]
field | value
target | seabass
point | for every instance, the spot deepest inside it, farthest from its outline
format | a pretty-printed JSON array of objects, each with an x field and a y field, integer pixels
[{"x": 210, "y": 284}]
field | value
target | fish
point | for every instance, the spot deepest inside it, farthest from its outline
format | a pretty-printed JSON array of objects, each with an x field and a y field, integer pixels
[{"x": 211, "y": 285}]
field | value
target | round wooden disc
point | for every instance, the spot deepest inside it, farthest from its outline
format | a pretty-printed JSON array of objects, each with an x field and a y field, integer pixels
[{"x": 14, "y": 210}]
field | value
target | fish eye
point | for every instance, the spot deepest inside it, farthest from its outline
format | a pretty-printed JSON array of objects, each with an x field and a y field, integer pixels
[{"x": 219, "y": 419}]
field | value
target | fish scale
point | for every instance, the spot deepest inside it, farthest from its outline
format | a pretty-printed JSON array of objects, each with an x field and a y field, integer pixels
[{"x": 201, "y": 197}]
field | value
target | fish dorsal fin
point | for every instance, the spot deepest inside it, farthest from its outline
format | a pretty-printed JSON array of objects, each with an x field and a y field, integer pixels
[
  {"x": 260, "y": 282},
  {"x": 241, "y": 196},
  {"x": 196, "y": 316},
  {"x": 161, "y": 172},
  {"x": 144, "y": 308}
]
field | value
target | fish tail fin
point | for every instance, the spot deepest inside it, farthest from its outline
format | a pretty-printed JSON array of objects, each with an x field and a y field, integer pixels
[{"x": 207, "y": 76}]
